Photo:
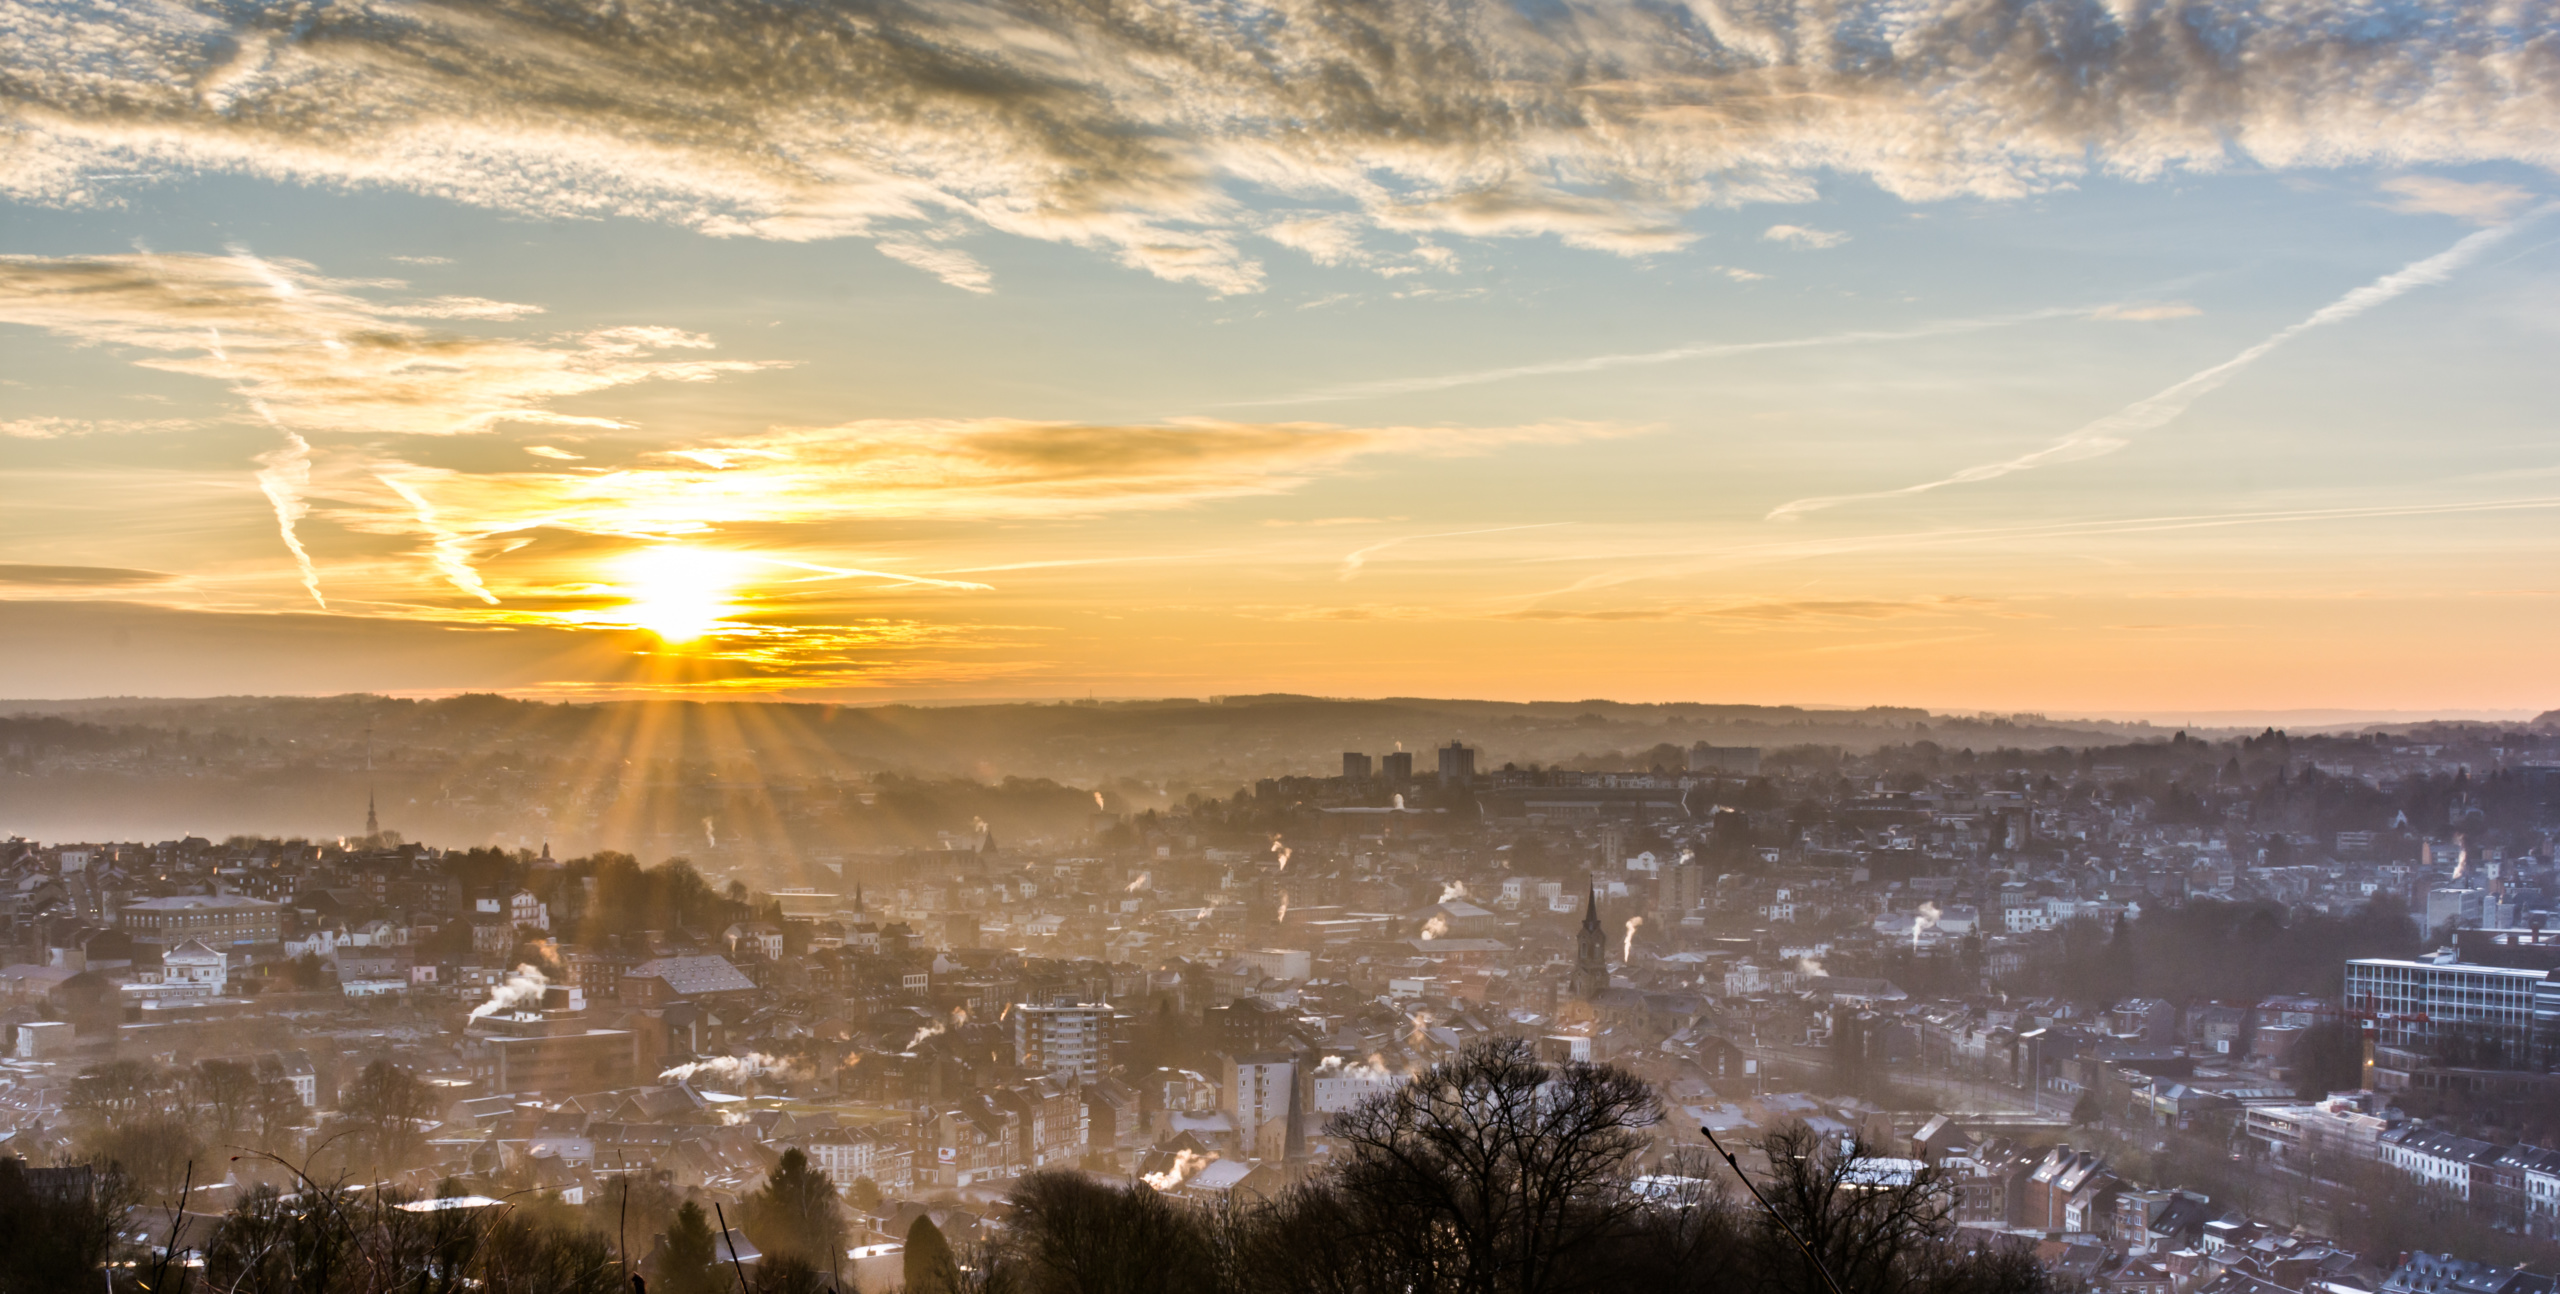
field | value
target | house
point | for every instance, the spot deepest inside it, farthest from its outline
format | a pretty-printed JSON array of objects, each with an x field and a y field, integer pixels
[{"x": 193, "y": 970}]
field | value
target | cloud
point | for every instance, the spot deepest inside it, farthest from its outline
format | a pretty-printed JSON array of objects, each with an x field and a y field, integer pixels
[
  {"x": 2115, "y": 431},
  {"x": 949, "y": 264},
  {"x": 78, "y": 576},
  {"x": 56, "y": 428},
  {"x": 2143, "y": 312},
  {"x": 315, "y": 354},
  {"x": 1799, "y": 236},
  {"x": 2483, "y": 203},
  {"x": 1763, "y": 612},
  {"x": 1672, "y": 355},
  {"x": 1140, "y": 131},
  {"x": 880, "y": 469},
  {"x": 1353, "y": 561}
]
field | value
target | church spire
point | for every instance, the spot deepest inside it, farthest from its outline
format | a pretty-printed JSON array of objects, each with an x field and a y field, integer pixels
[{"x": 372, "y": 821}]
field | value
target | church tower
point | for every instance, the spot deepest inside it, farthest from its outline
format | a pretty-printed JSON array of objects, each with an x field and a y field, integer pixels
[
  {"x": 372, "y": 822},
  {"x": 1590, "y": 950}
]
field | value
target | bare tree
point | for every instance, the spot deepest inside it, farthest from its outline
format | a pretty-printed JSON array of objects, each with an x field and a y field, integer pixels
[
  {"x": 1866, "y": 1217},
  {"x": 1494, "y": 1173}
]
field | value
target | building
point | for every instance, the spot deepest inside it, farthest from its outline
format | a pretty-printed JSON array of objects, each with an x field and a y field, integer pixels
[
  {"x": 193, "y": 970},
  {"x": 659, "y": 981},
  {"x": 879, "y": 1154},
  {"x": 2440, "y": 1159},
  {"x": 1292, "y": 964},
  {"x": 1063, "y": 1039},
  {"x": 210, "y": 919},
  {"x": 549, "y": 1049},
  {"x": 2415, "y": 1004},
  {"x": 1257, "y": 1091},
  {"x": 1457, "y": 765},
  {"x": 1355, "y": 766},
  {"x": 1341, "y": 1087},
  {"x": 1398, "y": 767}
]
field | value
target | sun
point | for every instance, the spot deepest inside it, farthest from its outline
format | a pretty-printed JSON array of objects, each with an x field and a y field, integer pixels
[{"x": 679, "y": 593}]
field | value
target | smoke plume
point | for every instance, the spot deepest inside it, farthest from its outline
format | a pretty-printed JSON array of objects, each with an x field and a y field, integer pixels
[
  {"x": 730, "y": 1069},
  {"x": 1186, "y": 1164},
  {"x": 1627, "y": 953},
  {"x": 522, "y": 989}
]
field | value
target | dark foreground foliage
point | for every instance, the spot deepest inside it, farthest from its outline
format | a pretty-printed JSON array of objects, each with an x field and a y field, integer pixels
[{"x": 1495, "y": 1174}]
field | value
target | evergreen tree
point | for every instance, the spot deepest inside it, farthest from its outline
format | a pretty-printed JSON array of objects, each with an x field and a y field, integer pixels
[
  {"x": 864, "y": 1196},
  {"x": 795, "y": 1213},
  {"x": 930, "y": 1267},
  {"x": 685, "y": 1260}
]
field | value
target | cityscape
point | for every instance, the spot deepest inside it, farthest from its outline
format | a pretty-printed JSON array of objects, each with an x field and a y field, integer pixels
[{"x": 2228, "y": 1012}]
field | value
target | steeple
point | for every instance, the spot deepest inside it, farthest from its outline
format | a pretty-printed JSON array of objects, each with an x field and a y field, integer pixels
[
  {"x": 372, "y": 821},
  {"x": 1590, "y": 948}
]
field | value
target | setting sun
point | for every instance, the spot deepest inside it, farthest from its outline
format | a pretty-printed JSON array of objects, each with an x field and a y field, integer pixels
[{"x": 679, "y": 593}]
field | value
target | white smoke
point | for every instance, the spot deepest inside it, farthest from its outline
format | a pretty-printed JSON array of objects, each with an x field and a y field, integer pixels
[
  {"x": 1810, "y": 966},
  {"x": 2461, "y": 856},
  {"x": 1421, "y": 1028},
  {"x": 710, "y": 839},
  {"x": 1186, "y": 1164},
  {"x": 1138, "y": 882},
  {"x": 1284, "y": 907},
  {"x": 1375, "y": 1066},
  {"x": 1453, "y": 891},
  {"x": 524, "y": 988},
  {"x": 1282, "y": 850},
  {"x": 1437, "y": 926},
  {"x": 1627, "y": 953},
  {"x": 729, "y": 1069},
  {"x": 1098, "y": 804},
  {"x": 932, "y": 1030},
  {"x": 1921, "y": 920}
]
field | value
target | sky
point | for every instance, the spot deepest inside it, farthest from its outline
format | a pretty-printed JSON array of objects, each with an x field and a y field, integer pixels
[{"x": 2046, "y": 355}]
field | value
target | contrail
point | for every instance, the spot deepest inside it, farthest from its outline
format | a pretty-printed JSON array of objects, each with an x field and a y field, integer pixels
[
  {"x": 1353, "y": 561},
  {"x": 1704, "y": 350},
  {"x": 283, "y": 474},
  {"x": 452, "y": 550},
  {"x": 2115, "y": 431},
  {"x": 849, "y": 572}
]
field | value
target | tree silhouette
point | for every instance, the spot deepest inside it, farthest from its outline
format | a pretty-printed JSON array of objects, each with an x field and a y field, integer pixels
[
  {"x": 930, "y": 1268},
  {"x": 795, "y": 1213},
  {"x": 685, "y": 1260}
]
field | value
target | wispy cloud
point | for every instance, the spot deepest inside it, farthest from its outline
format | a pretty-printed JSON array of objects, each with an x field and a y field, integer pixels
[
  {"x": 1142, "y": 132},
  {"x": 315, "y": 354},
  {"x": 53, "y": 428},
  {"x": 1353, "y": 561},
  {"x": 2146, "y": 311},
  {"x": 2116, "y": 430},
  {"x": 78, "y": 576},
  {"x": 1672, "y": 355},
  {"x": 1799, "y": 236},
  {"x": 2485, "y": 202}
]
